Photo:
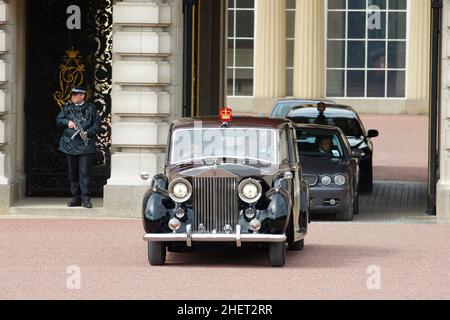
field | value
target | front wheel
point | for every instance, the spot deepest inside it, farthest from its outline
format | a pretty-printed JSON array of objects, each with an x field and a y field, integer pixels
[
  {"x": 297, "y": 246},
  {"x": 157, "y": 252},
  {"x": 346, "y": 214},
  {"x": 356, "y": 206},
  {"x": 277, "y": 254}
]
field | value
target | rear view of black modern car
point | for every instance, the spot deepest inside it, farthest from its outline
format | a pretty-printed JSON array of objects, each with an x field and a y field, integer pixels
[{"x": 345, "y": 118}]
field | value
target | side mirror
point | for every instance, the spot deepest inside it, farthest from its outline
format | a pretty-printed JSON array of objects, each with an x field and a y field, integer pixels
[
  {"x": 373, "y": 134},
  {"x": 358, "y": 154},
  {"x": 145, "y": 176}
]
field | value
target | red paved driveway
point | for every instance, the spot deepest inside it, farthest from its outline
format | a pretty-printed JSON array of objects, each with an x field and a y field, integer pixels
[
  {"x": 401, "y": 150},
  {"x": 413, "y": 260}
]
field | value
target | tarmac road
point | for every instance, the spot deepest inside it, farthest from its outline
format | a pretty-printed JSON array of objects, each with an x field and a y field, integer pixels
[{"x": 407, "y": 261}]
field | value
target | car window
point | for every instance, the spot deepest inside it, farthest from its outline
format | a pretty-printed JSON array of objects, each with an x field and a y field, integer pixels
[
  {"x": 284, "y": 151},
  {"x": 190, "y": 145},
  {"x": 319, "y": 144},
  {"x": 281, "y": 110},
  {"x": 349, "y": 126}
]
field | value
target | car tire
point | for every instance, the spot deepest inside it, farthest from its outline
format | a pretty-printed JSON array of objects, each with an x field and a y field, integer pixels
[
  {"x": 356, "y": 206},
  {"x": 366, "y": 184},
  {"x": 157, "y": 252},
  {"x": 296, "y": 246},
  {"x": 277, "y": 254},
  {"x": 346, "y": 214}
]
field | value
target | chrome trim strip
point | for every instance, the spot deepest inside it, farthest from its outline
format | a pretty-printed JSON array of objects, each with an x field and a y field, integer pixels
[{"x": 245, "y": 238}]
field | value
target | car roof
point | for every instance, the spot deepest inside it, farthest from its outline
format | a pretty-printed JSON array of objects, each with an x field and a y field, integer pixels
[
  {"x": 237, "y": 122},
  {"x": 331, "y": 110},
  {"x": 304, "y": 101},
  {"x": 315, "y": 127}
]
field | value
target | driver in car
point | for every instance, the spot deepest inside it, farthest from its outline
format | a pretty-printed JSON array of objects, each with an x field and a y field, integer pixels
[{"x": 324, "y": 145}]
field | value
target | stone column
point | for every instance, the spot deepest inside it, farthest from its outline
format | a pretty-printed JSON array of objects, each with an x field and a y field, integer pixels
[
  {"x": 418, "y": 50},
  {"x": 147, "y": 70},
  {"x": 443, "y": 188},
  {"x": 309, "y": 52},
  {"x": 12, "y": 63},
  {"x": 270, "y": 49}
]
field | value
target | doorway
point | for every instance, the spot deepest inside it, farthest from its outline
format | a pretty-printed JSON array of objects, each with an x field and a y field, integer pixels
[{"x": 69, "y": 43}]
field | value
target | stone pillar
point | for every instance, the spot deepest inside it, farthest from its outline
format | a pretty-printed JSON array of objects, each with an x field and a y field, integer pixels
[
  {"x": 147, "y": 71},
  {"x": 443, "y": 188},
  {"x": 12, "y": 62},
  {"x": 309, "y": 52},
  {"x": 418, "y": 50},
  {"x": 270, "y": 49}
]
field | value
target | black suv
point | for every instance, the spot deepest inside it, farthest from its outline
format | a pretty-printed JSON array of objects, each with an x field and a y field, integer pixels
[{"x": 345, "y": 118}]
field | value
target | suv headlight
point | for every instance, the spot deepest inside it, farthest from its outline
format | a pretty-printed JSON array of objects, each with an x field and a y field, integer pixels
[
  {"x": 250, "y": 191},
  {"x": 326, "y": 180},
  {"x": 180, "y": 190},
  {"x": 340, "y": 180}
]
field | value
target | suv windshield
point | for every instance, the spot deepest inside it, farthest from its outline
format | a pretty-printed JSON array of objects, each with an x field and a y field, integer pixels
[
  {"x": 350, "y": 126},
  {"x": 319, "y": 144},
  {"x": 189, "y": 145}
]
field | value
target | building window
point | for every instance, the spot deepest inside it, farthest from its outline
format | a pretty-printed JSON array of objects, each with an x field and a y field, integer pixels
[
  {"x": 241, "y": 40},
  {"x": 366, "y": 48},
  {"x": 290, "y": 41}
]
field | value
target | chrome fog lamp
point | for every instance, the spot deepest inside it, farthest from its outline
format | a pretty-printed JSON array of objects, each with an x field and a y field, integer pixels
[
  {"x": 180, "y": 213},
  {"x": 180, "y": 190},
  {"x": 326, "y": 180},
  {"x": 250, "y": 191},
  {"x": 340, "y": 180},
  {"x": 250, "y": 213},
  {"x": 174, "y": 224},
  {"x": 255, "y": 225}
]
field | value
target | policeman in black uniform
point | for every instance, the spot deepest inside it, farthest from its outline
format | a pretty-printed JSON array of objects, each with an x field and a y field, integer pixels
[{"x": 81, "y": 122}]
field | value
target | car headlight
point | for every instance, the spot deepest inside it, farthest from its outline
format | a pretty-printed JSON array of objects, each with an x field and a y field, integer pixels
[
  {"x": 250, "y": 191},
  {"x": 340, "y": 180},
  {"x": 180, "y": 190},
  {"x": 326, "y": 180}
]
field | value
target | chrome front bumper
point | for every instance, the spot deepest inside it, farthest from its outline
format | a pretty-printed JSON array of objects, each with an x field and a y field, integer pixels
[{"x": 237, "y": 237}]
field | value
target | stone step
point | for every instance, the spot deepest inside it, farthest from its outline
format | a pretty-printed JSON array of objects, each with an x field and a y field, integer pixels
[{"x": 50, "y": 207}]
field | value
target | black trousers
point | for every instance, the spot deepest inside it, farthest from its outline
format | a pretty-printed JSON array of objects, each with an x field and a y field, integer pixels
[{"x": 80, "y": 176}]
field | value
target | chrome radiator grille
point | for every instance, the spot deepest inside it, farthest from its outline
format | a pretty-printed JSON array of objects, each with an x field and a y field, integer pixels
[{"x": 215, "y": 204}]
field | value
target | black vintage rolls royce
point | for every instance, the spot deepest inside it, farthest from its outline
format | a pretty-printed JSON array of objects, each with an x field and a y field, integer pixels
[
  {"x": 235, "y": 181},
  {"x": 331, "y": 169}
]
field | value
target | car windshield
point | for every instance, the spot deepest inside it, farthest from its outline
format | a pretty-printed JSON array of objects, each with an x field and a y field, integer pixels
[
  {"x": 258, "y": 145},
  {"x": 319, "y": 144},
  {"x": 350, "y": 126}
]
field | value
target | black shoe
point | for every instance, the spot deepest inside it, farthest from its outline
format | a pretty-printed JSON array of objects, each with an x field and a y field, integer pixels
[
  {"x": 87, "y": 205},
  {"x": 72, "y": 204}
]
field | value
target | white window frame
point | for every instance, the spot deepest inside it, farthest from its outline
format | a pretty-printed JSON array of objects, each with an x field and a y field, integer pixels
[
  {"x": 366, "y": 39},
  {"x": 234, "y": 39},
  {"x": 290, "y": 68}
]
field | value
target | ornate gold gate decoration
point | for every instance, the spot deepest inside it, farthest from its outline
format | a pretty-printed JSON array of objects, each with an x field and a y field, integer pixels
[{"x": 71, "y": 74}]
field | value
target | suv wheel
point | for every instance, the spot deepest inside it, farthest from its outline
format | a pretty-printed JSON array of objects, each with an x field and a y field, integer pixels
[{"x": 346, "y": 214}]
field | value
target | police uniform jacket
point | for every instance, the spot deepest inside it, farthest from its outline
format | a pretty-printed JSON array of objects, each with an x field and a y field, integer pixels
[{"x": 87, "y": 116}]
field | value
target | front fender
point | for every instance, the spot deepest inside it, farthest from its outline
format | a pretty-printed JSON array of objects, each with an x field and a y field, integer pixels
[
  {"x": 157, "y": 206},
  {"x": 278, "y": 212}
]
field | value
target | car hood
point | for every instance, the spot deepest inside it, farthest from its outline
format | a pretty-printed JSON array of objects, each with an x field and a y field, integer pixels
[
  {"x": 224, "y": 170},
  {"x": 323, "y": 166}
]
